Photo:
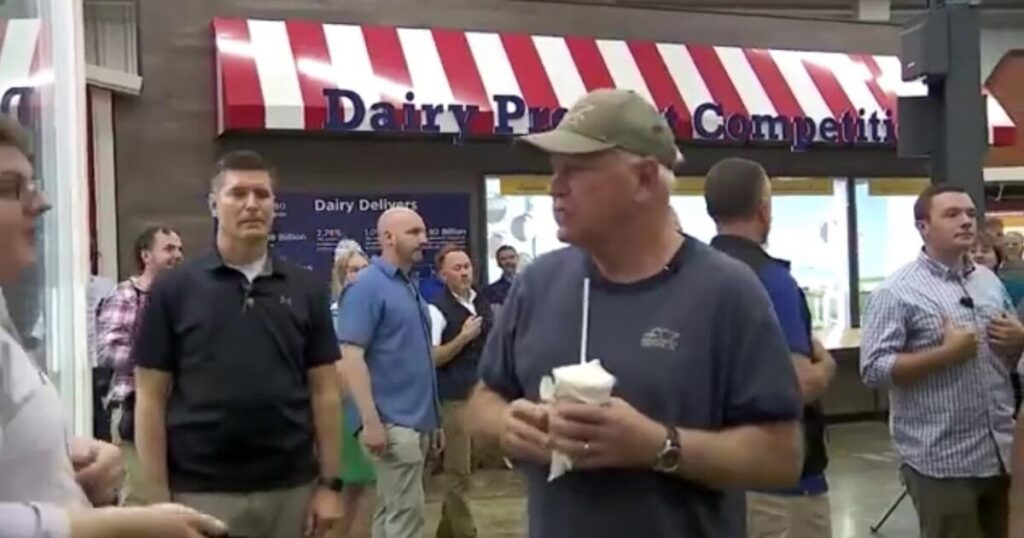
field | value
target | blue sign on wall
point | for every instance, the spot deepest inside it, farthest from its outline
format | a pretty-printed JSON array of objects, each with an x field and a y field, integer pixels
[{"x": 308, "y": 227}]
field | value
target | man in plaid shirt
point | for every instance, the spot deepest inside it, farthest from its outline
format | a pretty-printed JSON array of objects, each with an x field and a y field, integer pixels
[{"x": 157, "y": 248}]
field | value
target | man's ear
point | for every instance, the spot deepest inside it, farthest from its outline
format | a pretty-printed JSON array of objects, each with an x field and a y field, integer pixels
[
  {"x": 765, "y": 211},
  {"x": 211, "y": 202},
  {"x": 650, "y": 175}
]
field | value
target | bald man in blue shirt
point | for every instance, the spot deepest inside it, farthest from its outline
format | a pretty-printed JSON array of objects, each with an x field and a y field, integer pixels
[{"x": 388, "y": 369}]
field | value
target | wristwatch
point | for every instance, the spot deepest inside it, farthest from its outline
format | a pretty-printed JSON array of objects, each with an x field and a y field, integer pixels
[
  {"x": 668, "y": 458},
  {"x": 334, "y": 484}
]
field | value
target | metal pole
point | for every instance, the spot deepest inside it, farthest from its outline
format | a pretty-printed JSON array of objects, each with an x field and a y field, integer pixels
[
  {"x": 963, "y": 139},
  {"x": 892, "y": 508},
  {"x": 853, "y": 247}
]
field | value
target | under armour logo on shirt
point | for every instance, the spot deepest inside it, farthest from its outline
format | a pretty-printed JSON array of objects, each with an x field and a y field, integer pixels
[{"x": 286, "y": 300}]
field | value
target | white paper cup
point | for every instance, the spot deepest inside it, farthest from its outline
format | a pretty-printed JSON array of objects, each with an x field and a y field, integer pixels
[{"x": 587, "y": 383}]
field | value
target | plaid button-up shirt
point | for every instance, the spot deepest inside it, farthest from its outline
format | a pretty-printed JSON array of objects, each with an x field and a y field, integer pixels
[
  {"x": 958, "y": 421},
  {"x": 116, "y": 324}
]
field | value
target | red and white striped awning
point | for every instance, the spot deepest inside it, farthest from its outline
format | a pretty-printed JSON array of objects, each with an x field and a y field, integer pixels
[
  {"x": 20, "y": 67},
  {"x": 271, "y": 75}
]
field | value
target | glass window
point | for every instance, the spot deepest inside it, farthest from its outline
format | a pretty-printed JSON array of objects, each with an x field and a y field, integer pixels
[
  {"x": 887, "y": 238},
  {"x": 42, "y": 86},
  {"x": 525, "y": 222},
  {"x": 22, "y": 98},
  {"x": 693, "y": 216},
  {"x": 809, "y": 230}
]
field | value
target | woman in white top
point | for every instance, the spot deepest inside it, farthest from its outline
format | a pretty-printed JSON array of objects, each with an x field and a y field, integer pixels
[{"x": 49, "y": 483}]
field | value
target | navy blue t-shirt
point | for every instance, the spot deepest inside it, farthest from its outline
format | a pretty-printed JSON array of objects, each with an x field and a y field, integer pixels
[{"x": 697, "y": 346}]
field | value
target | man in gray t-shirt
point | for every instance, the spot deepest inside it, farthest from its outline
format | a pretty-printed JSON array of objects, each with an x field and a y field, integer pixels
[{"x": 706, "y": 402}]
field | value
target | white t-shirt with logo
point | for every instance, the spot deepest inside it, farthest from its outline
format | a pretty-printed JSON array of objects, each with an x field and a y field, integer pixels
[{"x": 34, "y": 461}]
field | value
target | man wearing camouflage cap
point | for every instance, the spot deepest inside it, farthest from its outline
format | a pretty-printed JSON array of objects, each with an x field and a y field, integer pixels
[{"x": 706, "y": 402}]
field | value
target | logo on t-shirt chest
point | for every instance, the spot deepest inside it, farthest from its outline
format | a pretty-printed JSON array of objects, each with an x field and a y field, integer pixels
[{"x": 660, "y": 338}]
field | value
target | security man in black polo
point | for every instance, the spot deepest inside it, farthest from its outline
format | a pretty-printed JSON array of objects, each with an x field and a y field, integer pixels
[
  {"x": 460, "y": 320},
  {"x": 237, "y": 409},
  {"x": 738, "y": 196}
]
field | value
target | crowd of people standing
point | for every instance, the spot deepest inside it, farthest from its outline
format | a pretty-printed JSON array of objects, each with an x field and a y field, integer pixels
[{"x": 250, "y": 398}]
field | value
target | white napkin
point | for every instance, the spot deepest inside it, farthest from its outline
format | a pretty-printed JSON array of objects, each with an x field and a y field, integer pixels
[{"x": 587, "y": 383}]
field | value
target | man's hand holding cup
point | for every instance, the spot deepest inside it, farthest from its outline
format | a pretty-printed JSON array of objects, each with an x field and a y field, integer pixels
[
  {"x": 525, "y": 432},
  {"x": 613, "y": 435}
]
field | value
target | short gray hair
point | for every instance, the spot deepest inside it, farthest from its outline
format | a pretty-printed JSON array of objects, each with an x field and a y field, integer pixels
[{"x": 667, "y": 176}]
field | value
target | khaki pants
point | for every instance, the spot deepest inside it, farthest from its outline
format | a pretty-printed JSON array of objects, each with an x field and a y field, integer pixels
[
  {"x": 134, "y": 491},
  {"x": 781, "y": 516},
  {"x": 959, "y": 507},
  {"x": 267, "y": 514},
  {"x": 456, "y": 517},
  {"x": 401, "y": 502}
]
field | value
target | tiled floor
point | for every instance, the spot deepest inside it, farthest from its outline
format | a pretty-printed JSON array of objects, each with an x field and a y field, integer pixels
[
  {"x": 864, "y": 481},
  {"x": 862, "y": 474}
]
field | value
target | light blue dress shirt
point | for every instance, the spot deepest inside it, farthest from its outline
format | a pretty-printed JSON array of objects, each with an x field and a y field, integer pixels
[{"x": 958, "y": 421}]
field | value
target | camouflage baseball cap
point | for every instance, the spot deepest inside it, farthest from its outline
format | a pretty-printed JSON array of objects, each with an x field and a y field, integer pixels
[{"x": 605, "y": 119}]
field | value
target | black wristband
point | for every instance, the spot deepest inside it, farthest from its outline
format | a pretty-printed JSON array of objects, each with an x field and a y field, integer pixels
[{"x": 333, "y": 483}]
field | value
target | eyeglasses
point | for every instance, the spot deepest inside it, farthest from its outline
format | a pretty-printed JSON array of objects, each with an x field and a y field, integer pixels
[{"x": 16, "y": 187}]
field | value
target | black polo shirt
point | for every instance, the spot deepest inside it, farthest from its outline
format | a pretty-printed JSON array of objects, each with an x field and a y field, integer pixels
[{"x": 239, "y": 416}]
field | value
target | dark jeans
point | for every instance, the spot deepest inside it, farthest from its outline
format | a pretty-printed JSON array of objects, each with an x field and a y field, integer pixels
[
  {"x": 100, "y": 416},
  {"x": 1018, "y": 393},
  {"x": 959, "y": 507}
]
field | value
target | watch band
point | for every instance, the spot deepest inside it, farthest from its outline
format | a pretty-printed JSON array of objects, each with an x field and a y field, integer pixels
[
  {"x": 668, "y": 458},
  {"x": 334, "y": 484},
  {"x": 672, "y": 437}
]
